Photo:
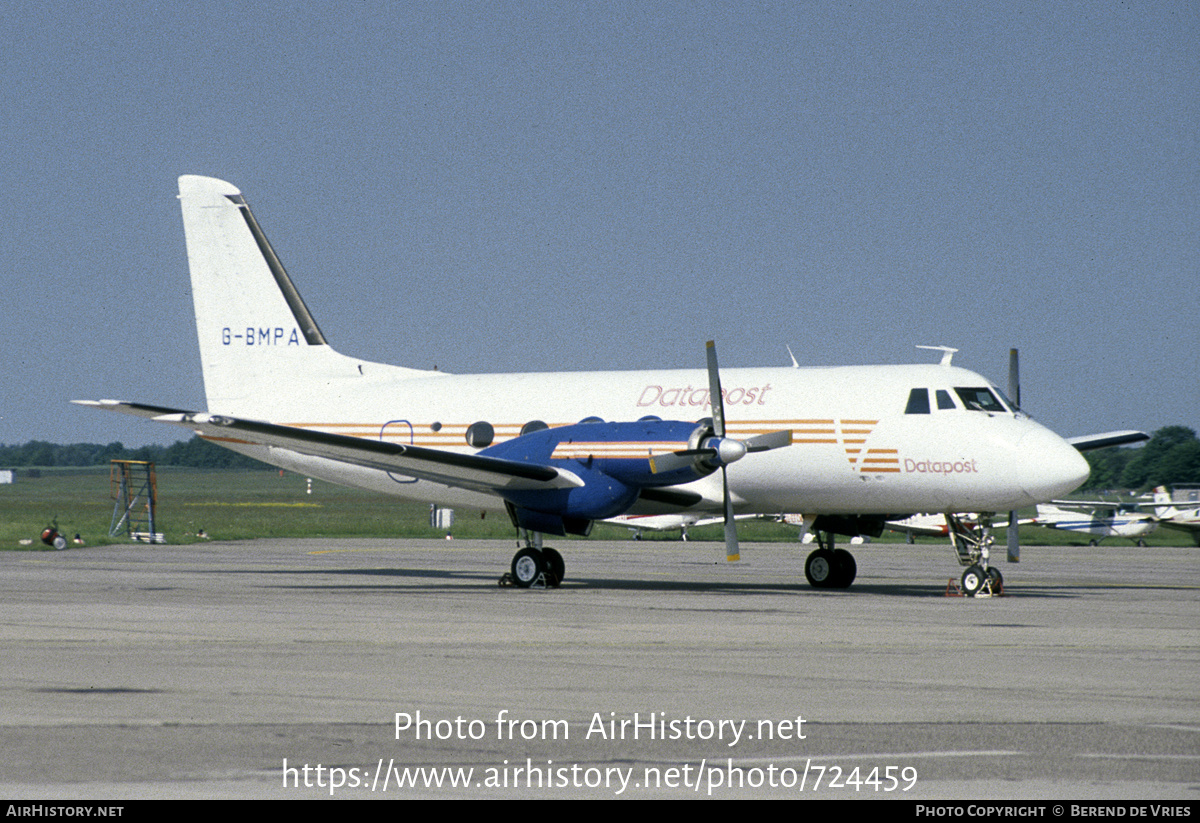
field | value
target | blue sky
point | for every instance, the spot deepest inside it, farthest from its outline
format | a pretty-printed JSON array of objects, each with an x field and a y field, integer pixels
[{"x": 531, "y": 186}]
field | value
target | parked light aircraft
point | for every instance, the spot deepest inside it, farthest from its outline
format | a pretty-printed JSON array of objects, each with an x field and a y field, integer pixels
[
  {"x": 849, "y": 447},
  {"x": 925, "y": 525},
  {"x": 1097, "y": 518},
  {"x": 638, "y": 523},
  {"x": 1179, "y": 509}
]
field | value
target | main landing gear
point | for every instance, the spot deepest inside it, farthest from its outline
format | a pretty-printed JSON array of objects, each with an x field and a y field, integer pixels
[
  {"x": 829, "y": 567},
  {"x": 535, "y": 566},
  {"x": 973, "y": 548}
]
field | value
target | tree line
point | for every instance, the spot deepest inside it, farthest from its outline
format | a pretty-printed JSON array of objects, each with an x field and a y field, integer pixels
[
  {"x": 196, "y": 453},
  {"x": 1172, "y": 456}
]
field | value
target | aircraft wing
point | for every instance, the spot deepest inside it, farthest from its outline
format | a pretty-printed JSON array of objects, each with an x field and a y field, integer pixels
[
  {"x": 1191, "y": 526},
  {"x": 934, "y": 525},
  {"x": 467, "y": 471},
  {"x": 1077, "y": 507},
  {"x": 1125, "y": 508},
  {"x": 1088, "y": 442}
]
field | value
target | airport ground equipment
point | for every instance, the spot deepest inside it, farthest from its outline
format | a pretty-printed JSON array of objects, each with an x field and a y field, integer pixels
[{"x": 134, "y": 488}]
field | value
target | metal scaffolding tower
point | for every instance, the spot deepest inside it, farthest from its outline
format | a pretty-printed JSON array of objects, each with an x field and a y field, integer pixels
[{"x": 134, "y": 488}]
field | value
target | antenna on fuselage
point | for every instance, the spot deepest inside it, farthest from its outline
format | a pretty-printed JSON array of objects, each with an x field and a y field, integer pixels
[{"x": 947, "y": 353}]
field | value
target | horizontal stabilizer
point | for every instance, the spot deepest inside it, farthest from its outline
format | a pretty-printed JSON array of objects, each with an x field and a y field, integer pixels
[{"x": 135, "y": 409}]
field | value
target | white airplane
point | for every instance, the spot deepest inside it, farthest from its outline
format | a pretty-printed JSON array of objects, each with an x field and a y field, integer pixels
[
  {"x": 849, "y": 447},
  {"x": 1098, "y": 518},
  {"x": 639, "y": 523},
  {"x": 1179, "y": 509},
  {"x": 925, "y": 525}
]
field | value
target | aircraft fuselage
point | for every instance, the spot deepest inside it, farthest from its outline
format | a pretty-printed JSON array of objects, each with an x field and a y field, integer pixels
[{"x": 855, "y": 449}]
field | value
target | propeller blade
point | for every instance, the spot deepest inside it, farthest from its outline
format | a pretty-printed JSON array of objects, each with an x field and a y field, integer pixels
[
  {"x": 1014, "y": 393},
  {"x": 770, "y": 440},
  {"x": 732, "y": 554},
  {"x": 660, "y": 463},
  {"x": 715, "y": 398},
  {"x": 1014, "y": 377},
  {"x": 717, "y": 401}
]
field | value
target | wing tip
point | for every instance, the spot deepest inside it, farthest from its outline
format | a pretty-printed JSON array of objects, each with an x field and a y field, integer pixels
[{"x": 1091, "y": 442}]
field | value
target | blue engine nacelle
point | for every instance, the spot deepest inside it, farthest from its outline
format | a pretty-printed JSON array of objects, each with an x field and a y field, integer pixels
[{"x": 615, "y": 462}]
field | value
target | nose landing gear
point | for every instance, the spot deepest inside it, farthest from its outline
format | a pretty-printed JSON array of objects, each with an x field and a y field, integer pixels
[{"x": 973, "y": 548}]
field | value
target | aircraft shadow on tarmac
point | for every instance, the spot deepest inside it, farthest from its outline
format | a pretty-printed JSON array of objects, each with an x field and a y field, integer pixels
[{"x": 406, "y": 579}]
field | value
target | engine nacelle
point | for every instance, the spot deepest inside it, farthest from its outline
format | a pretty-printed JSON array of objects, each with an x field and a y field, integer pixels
[{"x": 615, "y": 461}]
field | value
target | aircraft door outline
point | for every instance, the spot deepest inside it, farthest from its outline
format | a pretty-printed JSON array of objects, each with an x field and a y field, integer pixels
[{"x": 411, "y": 435}]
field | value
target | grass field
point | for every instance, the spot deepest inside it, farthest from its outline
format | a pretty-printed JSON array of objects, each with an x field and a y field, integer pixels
[{"x": 238, "y": 505}]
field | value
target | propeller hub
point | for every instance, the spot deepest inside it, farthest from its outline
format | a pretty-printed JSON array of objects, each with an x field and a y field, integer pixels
[
  {"x": 718, "y": 452},
  {"x": 729, "y": 450}
]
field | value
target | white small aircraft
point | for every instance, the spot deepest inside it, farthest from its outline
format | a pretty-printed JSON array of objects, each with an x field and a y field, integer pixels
[
  {"x": 925, "y": 525},
  {"x": 848, "y": 447},
  {"x": 1098, "y": 518},
  {"x": 1179, "y": 509},
  {"x": 639, "y": 523}
]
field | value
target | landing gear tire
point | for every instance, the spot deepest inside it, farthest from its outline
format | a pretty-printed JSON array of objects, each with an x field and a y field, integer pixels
[
  {"x": 556, "y": 567},
  {"x": 527, "y": 564},
  {"x": 995, "y": 579},
  {"x": 846, "y": 569},
  {"x": 972, "y": 580},
  {"x": 827, "y": 569},
  {"x": 821, "y": 569}
]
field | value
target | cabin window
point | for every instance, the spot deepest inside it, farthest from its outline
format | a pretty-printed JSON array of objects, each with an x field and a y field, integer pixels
[
  {"x": 918, "y": 402},
  {"x": 533, "y": 426},
  {"x": 480, "y": 435},
  {"x": 944, "y": 400},
  {"x": 979, "y": 399}
]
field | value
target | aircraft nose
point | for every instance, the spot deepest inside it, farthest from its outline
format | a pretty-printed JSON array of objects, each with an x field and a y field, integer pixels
[{"x": 1052, "y": 467}]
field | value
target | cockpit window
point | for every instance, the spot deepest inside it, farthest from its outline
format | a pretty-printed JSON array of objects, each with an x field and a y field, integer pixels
[
  {"x": 1008, "y": 401},
  {"x": 944, "y": 400},
  {"x": 979, "y": 399},
  {"x": 918, "y": 402}
]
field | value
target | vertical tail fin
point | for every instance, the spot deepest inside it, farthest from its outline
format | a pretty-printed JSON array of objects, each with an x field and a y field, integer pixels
[
  {"x": 1165, "y": 503},
  {"x": 261, "y": 351}
]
